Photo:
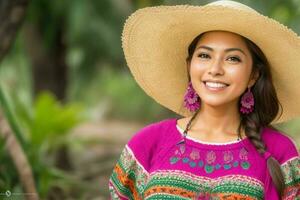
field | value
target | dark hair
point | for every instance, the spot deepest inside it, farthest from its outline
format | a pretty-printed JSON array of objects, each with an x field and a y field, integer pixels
[{"x": 265, "y": 110}]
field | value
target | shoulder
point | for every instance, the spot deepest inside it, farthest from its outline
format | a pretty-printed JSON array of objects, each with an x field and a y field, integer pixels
[
  {"x": 151, "y": 133},
  {"x": 148, "y": 141},
  {"x": 280, "y": 145}
]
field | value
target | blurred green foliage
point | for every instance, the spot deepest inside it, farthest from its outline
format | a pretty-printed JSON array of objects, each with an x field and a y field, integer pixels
[
  {"x": 126, "y": 99},
  {"x": 8, "y": 175},
  {"x": 48, "y": 119},
  {"x": 46, "y": 126}
]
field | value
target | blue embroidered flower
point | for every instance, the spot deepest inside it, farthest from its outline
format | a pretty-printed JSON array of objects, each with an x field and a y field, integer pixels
[
  {"x": 218, "y": 166},
  {"x": 200, "y": 163},
  {"x": 173, "y": 160},
  {"x": 185, "y": 160},
  {"x": 193, "y": 164}
]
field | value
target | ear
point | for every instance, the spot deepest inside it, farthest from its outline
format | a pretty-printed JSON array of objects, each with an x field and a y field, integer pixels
[{"x": 253, "y": 78}]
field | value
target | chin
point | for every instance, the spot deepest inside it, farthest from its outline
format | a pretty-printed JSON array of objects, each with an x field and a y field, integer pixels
[
  {"x": 217, "y": 102},
  {"x": 213, "y": 103}
]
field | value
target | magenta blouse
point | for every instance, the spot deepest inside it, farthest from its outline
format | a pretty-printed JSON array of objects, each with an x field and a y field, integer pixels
[{"x": 155, "y": 165}]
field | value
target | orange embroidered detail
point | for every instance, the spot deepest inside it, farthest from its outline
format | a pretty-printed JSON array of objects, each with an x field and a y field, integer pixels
[
  {"x": 126, "y": 181},
  {"x": 170, "y": 190},
  {"x": 233, "y": 197}
]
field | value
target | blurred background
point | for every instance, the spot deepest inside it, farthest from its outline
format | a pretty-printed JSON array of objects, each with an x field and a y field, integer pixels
[{"x": 68, "y": 101}]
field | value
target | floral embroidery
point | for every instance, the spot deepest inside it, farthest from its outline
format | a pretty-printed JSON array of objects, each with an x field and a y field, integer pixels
[
  {"x": 228, "y": 156},
  {"x": 192, "y": 164},
  {"x": 200, "y": 163},
  {"x": 181, "y": 150},
  {"x": 210, "y": 159},
  {"x": 244, "y": 154},
  {"x": 174, "y": 160},
  {"x": 244, "y": 157},
  {"x": 178, "y": 153},
  {"x": 195, "y": 154},
  {"x": 194, "y": 158},
  {"x": 185, "y": 160},
  {"x": 235, "y": 163}
]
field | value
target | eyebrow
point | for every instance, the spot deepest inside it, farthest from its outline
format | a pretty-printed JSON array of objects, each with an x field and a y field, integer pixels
[{"x": 226, "y": 50}]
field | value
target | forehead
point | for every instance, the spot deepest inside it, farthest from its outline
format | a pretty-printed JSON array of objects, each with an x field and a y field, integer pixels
[{"x": 222, "y": 39}]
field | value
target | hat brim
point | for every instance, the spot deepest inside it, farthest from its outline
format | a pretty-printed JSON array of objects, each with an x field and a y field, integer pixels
[{"x": 155, "y": 42}]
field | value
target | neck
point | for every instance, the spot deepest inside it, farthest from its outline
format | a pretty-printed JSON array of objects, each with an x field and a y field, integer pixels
[{"x": 223, "y": 119}]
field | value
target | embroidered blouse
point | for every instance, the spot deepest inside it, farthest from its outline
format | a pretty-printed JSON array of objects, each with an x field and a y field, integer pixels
[{"x": 155, "y": 165}]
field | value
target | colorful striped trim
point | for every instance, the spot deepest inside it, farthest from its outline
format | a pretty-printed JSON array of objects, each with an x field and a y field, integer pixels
[
  {"x": 291, "y": 170},
  {"x": 164, "y": 184},
  {"x": 129, "y": 176}
]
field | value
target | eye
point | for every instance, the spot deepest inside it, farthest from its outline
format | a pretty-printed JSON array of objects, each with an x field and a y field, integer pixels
[
  {"x": 203, "y": 55},
  {"x": 235, "y": 59}
]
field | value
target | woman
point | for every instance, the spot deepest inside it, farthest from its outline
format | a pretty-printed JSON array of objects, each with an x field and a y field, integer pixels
[{"x": 240, "y": 68}]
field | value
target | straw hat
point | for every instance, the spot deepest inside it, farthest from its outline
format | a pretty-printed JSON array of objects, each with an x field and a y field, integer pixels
[{"x": 155, "y": 42}]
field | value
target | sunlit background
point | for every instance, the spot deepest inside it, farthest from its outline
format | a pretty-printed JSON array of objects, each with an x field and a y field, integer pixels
[{"x": 69, "y": 100}]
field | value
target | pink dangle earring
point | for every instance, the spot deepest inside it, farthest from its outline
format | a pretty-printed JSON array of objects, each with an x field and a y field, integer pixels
[
  {"x": 191, "y": 98},
  {"x": 247, "y": 102}
]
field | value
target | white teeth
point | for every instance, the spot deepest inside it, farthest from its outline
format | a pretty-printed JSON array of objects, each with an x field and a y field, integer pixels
[{"x": 216, "y": 85}]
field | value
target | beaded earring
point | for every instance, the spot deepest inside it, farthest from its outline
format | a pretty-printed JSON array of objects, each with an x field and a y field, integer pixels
[
  {"x": 191, "y": 98},
  {"x": 247, "y": 102}
]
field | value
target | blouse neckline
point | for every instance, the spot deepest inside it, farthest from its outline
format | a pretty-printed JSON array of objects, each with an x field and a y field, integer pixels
[{"x": 212, "y": 145}]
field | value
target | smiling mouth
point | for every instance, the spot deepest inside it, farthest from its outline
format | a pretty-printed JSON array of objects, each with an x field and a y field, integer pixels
[
  {"x": 215, "y": 86},
  {"x": 215, "y": 82}
]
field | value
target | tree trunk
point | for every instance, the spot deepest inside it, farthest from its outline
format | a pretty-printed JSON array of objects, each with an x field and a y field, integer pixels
[
  {"x": 19, "y": 159},
  {"x": 49, "y": 68},
  {"x": 12, "y": 13}
]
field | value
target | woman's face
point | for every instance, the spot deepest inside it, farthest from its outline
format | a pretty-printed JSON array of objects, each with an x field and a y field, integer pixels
[{"x": 220, "y": 68}]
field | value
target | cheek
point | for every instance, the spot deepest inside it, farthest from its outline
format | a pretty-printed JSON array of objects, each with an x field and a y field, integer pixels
[
  {"x": 239, "y": 77},
  {"x": 197, "y": 68}
]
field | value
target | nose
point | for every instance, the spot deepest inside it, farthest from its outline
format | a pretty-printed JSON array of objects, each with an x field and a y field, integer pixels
[{"x": 216, "y": 68}]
